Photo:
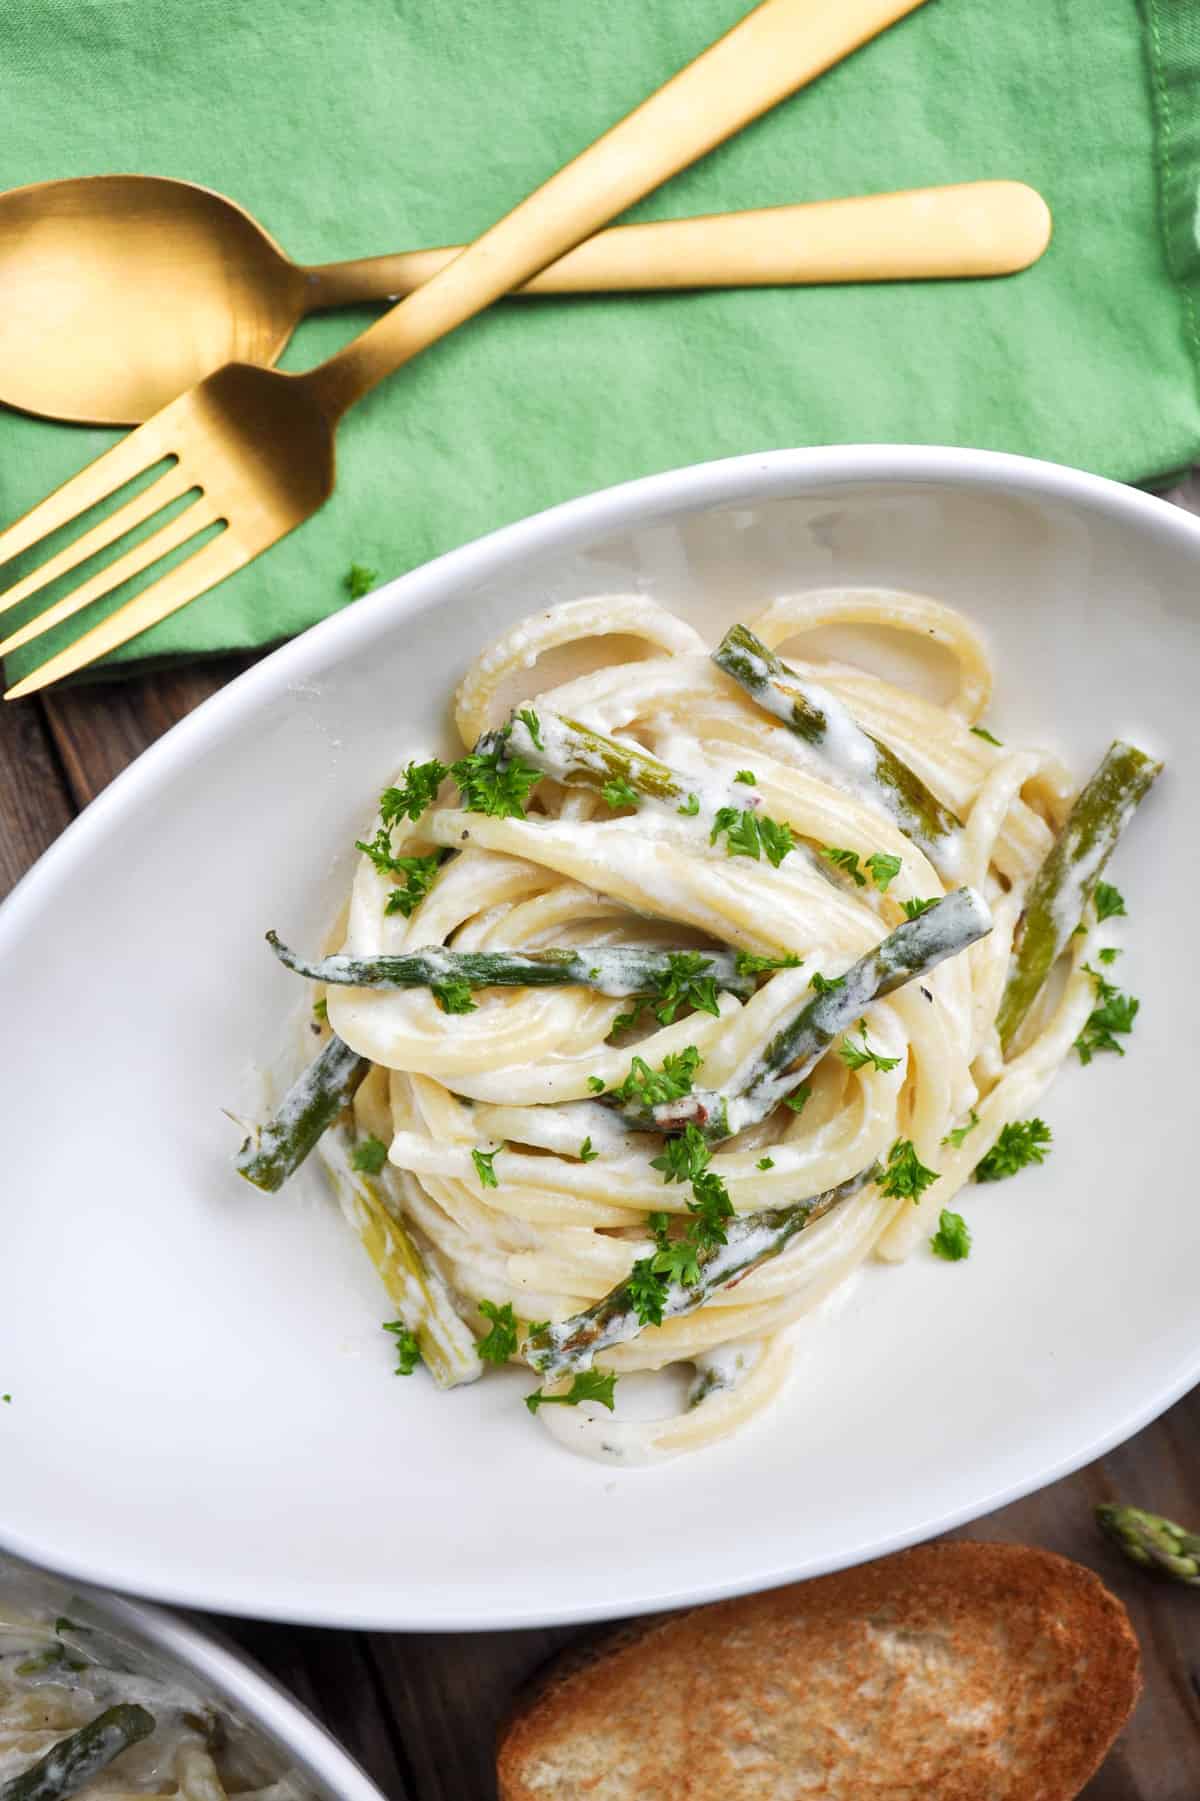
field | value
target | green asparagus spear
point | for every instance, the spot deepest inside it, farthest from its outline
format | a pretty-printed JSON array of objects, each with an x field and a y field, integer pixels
[
  {"x": 612, "y": 970},
  {"x": 74, "y": 1760},
  {"x": 414, "y": 1287},
  {"x": 1153, "y": 1542},
  {"x": 823, "y": 722},
  {"x": 276, "y": 1150},
  {"x": 1064, "y": 884},
  {"x": 912, "y": 950},
  {"x": 750, "y": 1239}
]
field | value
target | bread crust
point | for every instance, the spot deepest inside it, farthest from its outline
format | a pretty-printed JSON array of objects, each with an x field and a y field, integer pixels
[{"x": 952, "y": 1672}]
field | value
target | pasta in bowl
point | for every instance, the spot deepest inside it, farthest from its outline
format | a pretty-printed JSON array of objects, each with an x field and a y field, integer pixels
[{"x": 695, "y": 981}]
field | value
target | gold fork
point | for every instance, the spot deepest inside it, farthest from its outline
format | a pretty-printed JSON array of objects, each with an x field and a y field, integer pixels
[{"x": 255, "y": 447}]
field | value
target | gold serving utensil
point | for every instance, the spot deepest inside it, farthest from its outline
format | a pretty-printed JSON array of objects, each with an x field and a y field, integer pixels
[
  {"x": 121, "y": 291},
  {"x": 253, "y": 449}
]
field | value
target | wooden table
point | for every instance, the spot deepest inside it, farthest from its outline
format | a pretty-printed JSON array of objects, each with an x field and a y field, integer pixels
[{"x": 419, "y": 1711}]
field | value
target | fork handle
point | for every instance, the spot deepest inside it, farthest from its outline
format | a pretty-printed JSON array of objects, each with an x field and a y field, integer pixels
[
  {"x": 973, "y": 228},
  {"x": 770, "y": 53}
]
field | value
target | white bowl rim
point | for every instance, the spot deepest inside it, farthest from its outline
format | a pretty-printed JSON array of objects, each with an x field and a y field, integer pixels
[{"x": 693, "y": 488}]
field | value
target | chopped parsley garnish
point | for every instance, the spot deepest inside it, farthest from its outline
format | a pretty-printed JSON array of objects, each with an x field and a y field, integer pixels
[
  {"x": 645, "y": 1087},
  {"x": 359, "y": 580},
  {"x": 676, "y": 1261},
  {"x": 958, "y": 1133},
  {"x": 501, "y": 1341},
  {"x": 408, "y": 1351},
  {"x": 825, "y": 984},
  {"x": 483, "y": 1161},
  {"x": 586, "y": 1152},
  {"x": 906, "y": 1178},
  {"x": 748, "y": 963},
  {"x": 981, "y": 731},
  {"x": 416, "y": 794},
  {"x": 589, "y": 1385},
  {"x": 453, "y": 996},
  {"x": 685, "y": 982},
  {"x": 1110, "y": 902},
  {"x": 951, "y": 1240},
  {"x": 321, "y": 1008},
  {"x": 884, "y": 869},
  {"x": 750, "y": 834},
  {"x": 6, "y": 1398},
  {"x": 1109, "y": 954},
  {"x": 914, "y": 908},
  {"x": 847, "y": 862},
  {"x": 647, "y": 1292},
  {"x": 856, "y": 1056},
  {"x": 596, "y": 1084},
  {"x": 53, "y": 1658},
  {"x": 711, "y": 1207},
  {"x": 798, "y": 1099},
  {"x": 495, "y": 782},
  {"x": 690, "y": 807},
  {"x": 685, "y": 1158},
  {"x": 419, "y": 874},
  {"x": 1115, "y": 1012},
  {"x": 747, "y": 777},
  {"x": 765, "y": 1163},
  {"x": 533, "y": 725},
  {"x": 1022, "y": 1142},
  {"x": 369, "y": 1155},
  {"x": 618, "y": 793}
]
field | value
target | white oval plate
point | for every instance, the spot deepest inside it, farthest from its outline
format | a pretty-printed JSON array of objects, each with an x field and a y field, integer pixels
[{"x": 203, "y": 1408}]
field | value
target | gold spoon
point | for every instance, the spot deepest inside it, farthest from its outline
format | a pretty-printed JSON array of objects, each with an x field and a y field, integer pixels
[{"x": 122, "y": 291}]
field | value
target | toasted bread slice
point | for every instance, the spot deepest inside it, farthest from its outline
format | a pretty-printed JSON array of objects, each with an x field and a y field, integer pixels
[{"x": 954, "y": 1672}]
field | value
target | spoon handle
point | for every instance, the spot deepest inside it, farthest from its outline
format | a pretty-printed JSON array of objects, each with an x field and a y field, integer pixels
[
  {"x": 770, "y": 53},
  {"x": 974, "y": 228}
]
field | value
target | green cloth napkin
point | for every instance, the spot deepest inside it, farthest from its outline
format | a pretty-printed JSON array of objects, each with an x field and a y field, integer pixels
[{"x": 354, "y": 126}]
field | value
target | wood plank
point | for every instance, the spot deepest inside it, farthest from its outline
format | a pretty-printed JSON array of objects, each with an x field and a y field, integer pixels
[
  {"x": 99, "y": 728},
  {"x": 35, "y": 804}
]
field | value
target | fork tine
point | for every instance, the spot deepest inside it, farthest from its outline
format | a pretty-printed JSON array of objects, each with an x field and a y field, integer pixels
[
  {"x": 177, "y": 531},
  {"x": 132, "y": 456},
  {"x": 211, "y": 564},
  {"x": 169, "y": 486}
]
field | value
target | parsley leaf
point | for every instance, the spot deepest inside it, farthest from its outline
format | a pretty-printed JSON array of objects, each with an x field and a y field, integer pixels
[
  {"x": 1115, "y": 1012},
  {"x": 685, "y": 982},
  {"x": 369, "y": 1155},
  {"x": 359, "y": 580},
  {"x": 1022, "y": 1142},
  {"x": 453, "y": 996},
  {"x": 418, "y": 792},
  {"x": 906, "y": 1178},
  {"x": 748, "y": 963},
  {"x": 951, "y": 1240},
  {"x": 645, "y": 1087},
  {"x": 847, "y": 861},
  {"x": 321, "y": 1007},
  {"x": 408, "y": 1351},
  {"x": 677, "y": 1260},
  {"x": 858, "y": 1056},
  {"x": 647, "y": 1292},
  {"x": 798, "y": 1099},
  {"x": 776, "y": 840},
  {"x": 690, "y": 807},
  {"x": 1110, "y": 902},
  {"x": 493, "y": 781},
  {"x": 500, "y": 1342},
  {"x": 618, "y": 793},
  {"x": 982, "y": 732},
  {"x": 825, "y": 984},
  {"x": 884, "y": 869},
  {"x": 483, "y": 1161},
  {"x": 741, "y": 832},
  {"x": 747, "y": 777},
  {"x": 533, "y": 725},
  {"x": 586, "y": 1153},
  {"x": 765, "y": 1163},
  {"x": 711, "y": 1207},
  {"x": 914, "y": 908},
  {"x": 958, "y": 1133},
  {"x": 589, "y": 1385},
  {"x": 685, "y": 1158},
  {"x": 419, "y": 874},
  {"x": 1109, "y": 954},
  {"x": 596, "y": 1084}
]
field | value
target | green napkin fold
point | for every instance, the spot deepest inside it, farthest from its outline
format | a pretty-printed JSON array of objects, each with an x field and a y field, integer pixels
[{"x": 354, "y": 126}]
